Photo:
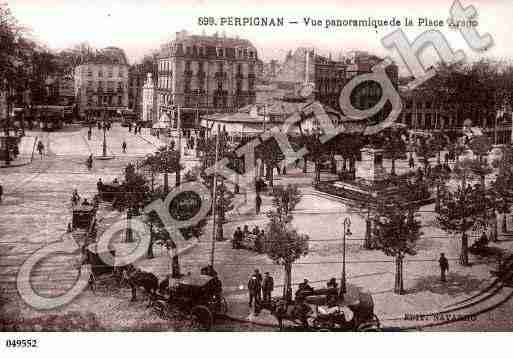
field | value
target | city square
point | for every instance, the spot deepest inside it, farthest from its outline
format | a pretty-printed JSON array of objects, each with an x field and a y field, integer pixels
[{"x": 247, "y": 194}]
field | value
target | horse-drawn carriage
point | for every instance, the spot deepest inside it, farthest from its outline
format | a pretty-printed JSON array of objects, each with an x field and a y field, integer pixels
[
  {"x": 326, "y": 310},
  {"x": 199, "y": 297},
  {"x": 83, "y": 215},
  {"x": 108, "y": 191}
]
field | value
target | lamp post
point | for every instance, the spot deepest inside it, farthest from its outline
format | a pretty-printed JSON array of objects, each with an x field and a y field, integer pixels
[
  {"x": 104, "y": 146},
  {"x": 347, "y": 231}
]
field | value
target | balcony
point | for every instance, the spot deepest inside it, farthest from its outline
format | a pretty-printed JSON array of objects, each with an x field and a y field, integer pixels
[
  {"x": 251, "y": 76},
  {"x": 201, "y": 74},
  {"x": 187, "y": 73},
  {"x": 220, "y": 75},
  {"x": 239, "y": 75}
]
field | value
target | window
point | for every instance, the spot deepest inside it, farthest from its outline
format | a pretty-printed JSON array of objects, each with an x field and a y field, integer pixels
[
  {"x": 89, "y": 71},
  {"x": 121, "y": 72},
  {"x": 120, "y": 100},
  {"x": 110, "y": 71}
]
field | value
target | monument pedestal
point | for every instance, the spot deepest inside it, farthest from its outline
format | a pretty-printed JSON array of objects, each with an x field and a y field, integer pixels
[
  {"x": 370, "y": 169},
  {"x": 369, "y": 184}
]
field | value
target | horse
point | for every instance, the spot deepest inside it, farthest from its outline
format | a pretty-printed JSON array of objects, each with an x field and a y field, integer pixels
[
  {"x": 138, "y": 278},
  {"x": 296, "y": 312}
]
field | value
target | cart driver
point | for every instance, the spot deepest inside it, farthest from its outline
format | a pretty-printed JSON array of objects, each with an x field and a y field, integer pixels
[{"x": 216, "y": 285}]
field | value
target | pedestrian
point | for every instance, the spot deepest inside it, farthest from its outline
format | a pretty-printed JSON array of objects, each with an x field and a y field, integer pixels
[
  {"x": 258, "y": 203},
  {"x": 267, "y": 287},
  {"x": 99, "y": 185},
  {"x": 89, "y": 162},
  {"x": 75, "y": 198},
  {"x": 446, "y": 158},
  {"x": 444, "y": 267},
  {"x": 89, "y": 133},
  {"x": 411, "y": 161},
  {"x": 259, "y": 278},
  {"x": 123, "y": 146},
  {"x": 259, "y": 242},
  {"x": 40, "y": 148},
  {"x": 130, "y": 127},
  {"x": 1, "y": 192},
  {"x": 245, "y": 231},
  {"x": 237, "y": 238},
  {"x": 254, "y": 290},
  {"x": 256, "y": 231}
]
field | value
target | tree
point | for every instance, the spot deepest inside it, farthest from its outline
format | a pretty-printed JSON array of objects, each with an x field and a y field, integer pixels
[
  {"x": 394, "y": 145},
  {"x": 463, "y": 209},
  {"x": 165, "y": 160},
  {"x": 133, "y": 194},
  {"x": 439, "y": 176},
  {"x": 438, "y": 142},
  {"x": 503, "y": 184},
  {"x": 283, "y": 244},
  {"x": 396, "y": 234},
  {"x": 285, "y": 199},
  {"x": 424, "y": 150},
  {"x": 270, "y": 153},
  {"x": 162, "y": 237},
  {"x": 469, "y": 167}
]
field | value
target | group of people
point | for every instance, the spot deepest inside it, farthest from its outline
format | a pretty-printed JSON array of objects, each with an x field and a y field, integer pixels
[
  {"x": 242, "y": 235},
  {"x": 75, "y": 199},
  {"x": 260, "y": 288},
  {"x": 137, "y": 128},
  {"x": 105, "y": 124}
]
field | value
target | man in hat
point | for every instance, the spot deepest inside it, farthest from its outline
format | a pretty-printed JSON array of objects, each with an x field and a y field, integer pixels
[
  {"x": 444, "y": 267},
  {"x": 267, "y": 287}
]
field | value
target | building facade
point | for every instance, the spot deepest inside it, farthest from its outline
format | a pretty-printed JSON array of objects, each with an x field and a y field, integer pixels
[
  {"x": 330, "y": 76},
  {"x": 206, "y": 74},
  {"x": 149, "y": 101},
  {"x": 101, "y": 83},
  {"x": 136, "y": 81}
]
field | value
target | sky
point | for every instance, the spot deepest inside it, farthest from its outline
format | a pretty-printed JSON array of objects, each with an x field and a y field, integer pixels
[{"x": 141, "y": 26}]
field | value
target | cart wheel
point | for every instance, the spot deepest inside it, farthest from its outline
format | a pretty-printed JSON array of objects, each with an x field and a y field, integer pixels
[
  {"x": 161, "y": 308},
  {"x": 369, "y": 327},
  {"x": 203, "y": 317}
]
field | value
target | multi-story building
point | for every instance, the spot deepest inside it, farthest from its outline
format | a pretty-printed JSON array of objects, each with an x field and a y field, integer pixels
[
  {"x": 101, "y": 83},
  {"x": 60, "y": 90},
  {"x": 149, "y": 101},
  {"x": 205, "y": 74},
  {"x": 330, "y": 76},
  {"x": 136, "y": 80}
]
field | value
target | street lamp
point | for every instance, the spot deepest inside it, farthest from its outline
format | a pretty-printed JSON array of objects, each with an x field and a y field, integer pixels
[{"x": 347, "y": 231}]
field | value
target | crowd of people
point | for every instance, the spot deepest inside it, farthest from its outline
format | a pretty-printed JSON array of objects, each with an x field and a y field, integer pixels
[{"x": 244, "y": 238}]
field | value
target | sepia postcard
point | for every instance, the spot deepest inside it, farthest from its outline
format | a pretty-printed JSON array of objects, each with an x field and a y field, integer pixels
[{"x": 257, "y": 166}]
